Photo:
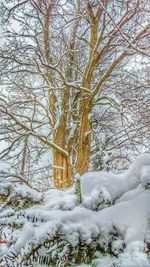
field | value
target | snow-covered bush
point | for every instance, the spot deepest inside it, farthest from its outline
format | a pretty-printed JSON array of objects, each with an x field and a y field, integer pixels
[
  {"x": 111, "y": 227},
  {"x": 18, "y": 196}
]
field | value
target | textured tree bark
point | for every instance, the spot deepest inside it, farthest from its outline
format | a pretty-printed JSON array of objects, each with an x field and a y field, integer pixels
[
  {"x": 63, "y": 172},
  {"x": 84, "y": 139}
]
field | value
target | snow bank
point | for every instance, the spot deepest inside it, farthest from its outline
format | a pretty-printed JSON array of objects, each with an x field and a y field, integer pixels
[
  {"x": 64, "y": 200},
  {"x": 113, "y": 186}
]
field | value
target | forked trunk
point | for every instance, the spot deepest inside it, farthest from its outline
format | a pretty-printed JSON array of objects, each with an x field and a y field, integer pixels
[{"x": 64, "y": 169}]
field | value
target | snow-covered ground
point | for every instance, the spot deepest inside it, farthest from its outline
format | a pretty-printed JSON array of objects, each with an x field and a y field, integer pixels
[{"x": 114, "y": 218}]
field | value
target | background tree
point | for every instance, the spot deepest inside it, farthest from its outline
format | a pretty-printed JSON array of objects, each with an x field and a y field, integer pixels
[{"x": 122, "y": 130}]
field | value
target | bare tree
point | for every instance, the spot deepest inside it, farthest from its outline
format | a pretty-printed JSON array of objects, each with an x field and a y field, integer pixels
[{"x": 58, "y": 59}]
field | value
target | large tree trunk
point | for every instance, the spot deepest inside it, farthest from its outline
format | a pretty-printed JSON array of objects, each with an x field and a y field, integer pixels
[{"x": 84, "y": 139}]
